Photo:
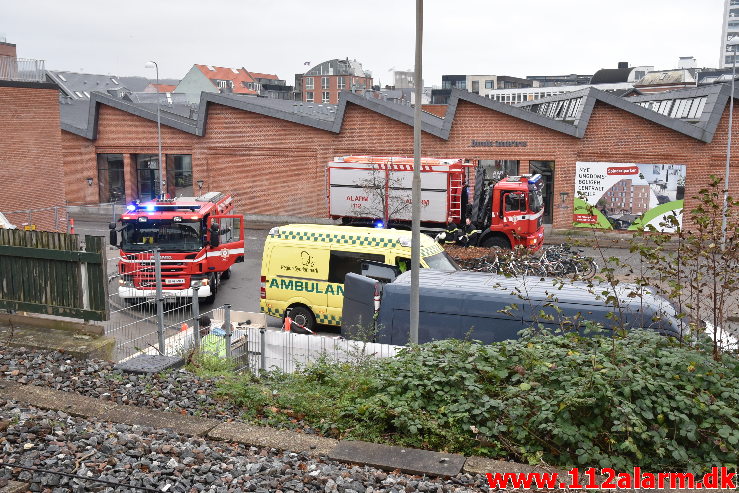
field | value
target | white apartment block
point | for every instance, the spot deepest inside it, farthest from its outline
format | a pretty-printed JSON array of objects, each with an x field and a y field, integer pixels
[{"x": 730, "y": 29}]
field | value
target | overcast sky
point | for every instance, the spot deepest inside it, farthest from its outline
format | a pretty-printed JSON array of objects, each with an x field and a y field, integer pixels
[{"x": 519, "y": 38}]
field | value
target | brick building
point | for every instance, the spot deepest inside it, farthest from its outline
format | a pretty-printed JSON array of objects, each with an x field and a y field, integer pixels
[
  {"x": 626, "y": 198},
  {"x": 33, "y": 192},
  {"x": 324, "y": 82},
  {"x": 272, "y": 154}
]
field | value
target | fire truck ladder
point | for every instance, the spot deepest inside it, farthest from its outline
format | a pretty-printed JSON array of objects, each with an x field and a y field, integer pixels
[{"x": 455, "y": 202}]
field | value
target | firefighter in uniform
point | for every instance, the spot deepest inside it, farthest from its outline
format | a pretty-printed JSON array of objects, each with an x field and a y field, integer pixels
[
  {"x": 452, "y": 233},
  {"x": 471, "y": 233}
]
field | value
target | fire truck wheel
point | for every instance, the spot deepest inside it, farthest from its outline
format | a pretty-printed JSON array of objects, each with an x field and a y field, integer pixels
[
  {"x": 496, "y": 242},
  {"x": 226, "y": 274},
  {"x": 303, "y": 316},
  {"x": 213, "y": 290}
]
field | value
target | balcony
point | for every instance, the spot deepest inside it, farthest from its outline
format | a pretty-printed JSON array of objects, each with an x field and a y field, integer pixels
[{"x": 22, "y": 69}]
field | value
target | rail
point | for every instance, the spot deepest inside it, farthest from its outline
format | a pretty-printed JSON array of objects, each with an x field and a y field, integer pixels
[{"x": 22, "y": 69}]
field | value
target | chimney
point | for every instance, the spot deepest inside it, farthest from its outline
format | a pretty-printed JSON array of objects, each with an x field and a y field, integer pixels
[
  {"x": 623, "y": 64},
  {"x": 687, "y": 62}
]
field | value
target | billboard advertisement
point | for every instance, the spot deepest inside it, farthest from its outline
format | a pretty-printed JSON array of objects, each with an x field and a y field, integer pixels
[{"x": 627, "y": 195}]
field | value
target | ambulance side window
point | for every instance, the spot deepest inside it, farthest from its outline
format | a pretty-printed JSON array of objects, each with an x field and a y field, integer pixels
[
  {"x": 341, "y": 263},
  {"x": 403, "y": 264}
]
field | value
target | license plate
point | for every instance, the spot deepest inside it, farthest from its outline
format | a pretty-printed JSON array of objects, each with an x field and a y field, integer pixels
[{"x": 174, "y": 281}]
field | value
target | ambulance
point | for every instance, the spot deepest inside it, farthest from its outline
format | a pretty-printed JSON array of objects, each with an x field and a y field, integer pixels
[{"x": 304, "y": 265}]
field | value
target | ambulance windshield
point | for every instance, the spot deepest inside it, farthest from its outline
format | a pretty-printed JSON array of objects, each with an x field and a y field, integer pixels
[
  {"x": 182, "y": 236},
  {"x": 441, "y": 261}
]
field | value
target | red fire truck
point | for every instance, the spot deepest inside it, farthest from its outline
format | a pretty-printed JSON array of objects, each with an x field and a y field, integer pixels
[
  {"x": 376, "y": 190},
  {"x": 199, "y": 239}
]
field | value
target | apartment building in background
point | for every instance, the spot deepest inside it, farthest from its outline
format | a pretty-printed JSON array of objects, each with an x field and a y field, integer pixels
[
  {"x": 323, "y": 82},
  {"x": 730, "y": 28}
]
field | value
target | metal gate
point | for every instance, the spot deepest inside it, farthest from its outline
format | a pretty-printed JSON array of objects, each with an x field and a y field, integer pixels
[{"x": 143, "y": 320}]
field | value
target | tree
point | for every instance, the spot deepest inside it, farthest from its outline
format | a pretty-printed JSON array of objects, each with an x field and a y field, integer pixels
[{"x": 387, "y": 196}]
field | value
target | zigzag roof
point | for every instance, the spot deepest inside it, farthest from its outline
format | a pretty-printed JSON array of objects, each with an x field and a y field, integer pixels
[{"x": 330, "y": 118}]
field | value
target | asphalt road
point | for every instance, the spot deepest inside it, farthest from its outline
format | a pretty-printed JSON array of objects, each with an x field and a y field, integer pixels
[{"x": 242, "y": 289}]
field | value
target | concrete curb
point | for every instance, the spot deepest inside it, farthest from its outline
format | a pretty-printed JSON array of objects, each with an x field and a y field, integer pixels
[{"x": 78, "y": 346}]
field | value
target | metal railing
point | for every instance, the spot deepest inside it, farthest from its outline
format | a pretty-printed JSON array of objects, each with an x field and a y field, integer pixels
[{"x": 22, "y": 69}]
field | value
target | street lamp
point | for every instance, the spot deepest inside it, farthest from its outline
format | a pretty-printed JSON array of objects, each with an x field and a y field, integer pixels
[
  {"x": 162, "y": 187},
  {"x": 733, "y": 42}
]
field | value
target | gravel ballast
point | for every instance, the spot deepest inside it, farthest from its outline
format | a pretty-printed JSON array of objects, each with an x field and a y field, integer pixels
[
  {"x": 139, "y": 456},
  {"x": 142, "y": 456}
]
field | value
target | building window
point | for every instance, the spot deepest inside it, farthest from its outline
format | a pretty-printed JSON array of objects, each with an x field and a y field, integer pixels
[
  {"x": 324, "y": 82},
  {"x": 179, "y": 175},
  {"x": 326, "y": 97},
  {"x": 147, "y": 172},
  {"x": 462, "y": 84},
  {"x": 111, "y": 178},
  {"x": 489, "y": 84},
  {"x": 342, "y": 83},
  {"x": 309, "y": 96},
  {"x": 309, "y": 82}
]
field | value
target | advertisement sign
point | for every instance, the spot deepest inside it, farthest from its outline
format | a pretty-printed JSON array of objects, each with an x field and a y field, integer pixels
[{"x": 627, "y": 195}]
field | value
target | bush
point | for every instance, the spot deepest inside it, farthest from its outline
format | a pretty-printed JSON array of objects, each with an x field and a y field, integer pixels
[{"x": 602, "y": 401}]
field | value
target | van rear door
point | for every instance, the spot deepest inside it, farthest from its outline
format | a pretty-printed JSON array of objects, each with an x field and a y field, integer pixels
[{"x": 341, "y": 263}]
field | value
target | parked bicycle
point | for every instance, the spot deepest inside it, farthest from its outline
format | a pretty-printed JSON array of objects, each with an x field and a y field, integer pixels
[{"x": 554, "y": 261}]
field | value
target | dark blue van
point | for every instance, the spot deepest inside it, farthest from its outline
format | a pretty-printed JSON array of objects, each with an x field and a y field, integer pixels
[{"x": 490, "y": 307}]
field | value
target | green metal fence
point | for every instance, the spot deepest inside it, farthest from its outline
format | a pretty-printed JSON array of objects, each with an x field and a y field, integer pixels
[{"x": 49, "y": 273}]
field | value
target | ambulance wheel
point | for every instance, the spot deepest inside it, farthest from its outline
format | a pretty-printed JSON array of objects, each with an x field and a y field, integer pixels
[
  {"x": 303, "y": 316},
  {"x": 226, "y": 274},
  {"x": 496, "y": 242}
]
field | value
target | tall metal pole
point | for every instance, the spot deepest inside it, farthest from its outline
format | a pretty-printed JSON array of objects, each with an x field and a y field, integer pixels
[
  {"x": 160, "y": 300},
  {"x": 416, "y": 184},
  {"x": 728, "y": 152},
  {"x": 162, "y": 188},
  {"x": 162, "y": 183}
]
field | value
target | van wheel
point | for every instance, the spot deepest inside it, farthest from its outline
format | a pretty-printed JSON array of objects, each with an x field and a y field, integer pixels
[
  {"x": 303, "y": 316},
  {"x": 496, "y": 242}
]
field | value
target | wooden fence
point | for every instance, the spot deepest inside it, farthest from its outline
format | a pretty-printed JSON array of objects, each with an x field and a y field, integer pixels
[{"x": 49, "y": 273}]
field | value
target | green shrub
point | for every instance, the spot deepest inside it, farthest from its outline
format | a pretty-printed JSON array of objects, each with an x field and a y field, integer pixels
[{"x": 617, "y": 402}]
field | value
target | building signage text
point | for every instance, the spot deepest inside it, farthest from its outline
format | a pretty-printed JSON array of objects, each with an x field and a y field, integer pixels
[{"x": 499, "y": 143}]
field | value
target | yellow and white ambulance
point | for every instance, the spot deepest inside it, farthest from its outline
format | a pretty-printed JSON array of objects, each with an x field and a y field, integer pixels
[{"x": 304, "y": 265}]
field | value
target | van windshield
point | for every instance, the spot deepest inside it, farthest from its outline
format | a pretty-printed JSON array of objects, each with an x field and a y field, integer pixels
[{"x": 441, "y": 261}]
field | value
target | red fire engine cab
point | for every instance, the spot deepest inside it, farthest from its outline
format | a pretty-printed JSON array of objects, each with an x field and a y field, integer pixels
[
  {"x": 511, "y": 213},
  {"x": 199, "y": 239},
  {"x": 376, "y": 190}
]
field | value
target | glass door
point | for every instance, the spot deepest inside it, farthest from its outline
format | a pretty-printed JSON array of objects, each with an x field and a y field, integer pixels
[
  {"x": 111, "y": 178},
  {"x": 546, "y": 170},
  {"x": 147, "y": 171}
]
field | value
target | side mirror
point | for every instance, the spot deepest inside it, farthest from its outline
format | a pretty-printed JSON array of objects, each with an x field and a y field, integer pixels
[{"x": 113, "y": 237}]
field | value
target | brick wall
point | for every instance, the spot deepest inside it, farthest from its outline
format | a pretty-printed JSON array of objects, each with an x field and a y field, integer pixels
[
  {"x": 31, "y": 170},
  {"x": 435, "y": 109},
  {"x": 7, "y": 49},
  {"x": 278, "y": 167}
]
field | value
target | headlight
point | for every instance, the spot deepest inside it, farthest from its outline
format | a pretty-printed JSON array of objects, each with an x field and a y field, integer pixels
[{"x": 125, "y": 284}]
